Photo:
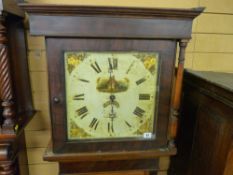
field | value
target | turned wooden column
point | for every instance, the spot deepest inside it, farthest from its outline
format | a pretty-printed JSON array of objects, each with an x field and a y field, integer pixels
[
  {"x": 7, "y": 169},
  {"x": 6, "y": 88},
  {"x": 7, "y": 164},
  {"x": 177, "y": 93}
]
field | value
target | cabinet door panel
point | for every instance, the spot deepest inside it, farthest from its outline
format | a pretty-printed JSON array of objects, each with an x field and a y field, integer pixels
[{"x": 212, "y": 138}]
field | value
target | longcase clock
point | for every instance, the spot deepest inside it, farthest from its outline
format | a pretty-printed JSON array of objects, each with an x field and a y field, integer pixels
[{"x": 114, "y": 98}]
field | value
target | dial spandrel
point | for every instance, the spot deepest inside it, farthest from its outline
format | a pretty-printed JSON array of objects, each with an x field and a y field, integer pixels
[{"x": 111, "y": 94}]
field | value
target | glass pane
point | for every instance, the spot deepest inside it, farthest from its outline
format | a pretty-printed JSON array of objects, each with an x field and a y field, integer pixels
[{"x": 111, "y": 94}]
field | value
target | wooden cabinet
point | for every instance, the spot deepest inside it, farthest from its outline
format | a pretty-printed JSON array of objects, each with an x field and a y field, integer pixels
[
  {"x": 15, "y": 92},
  {"x": 205, "y": 136}
]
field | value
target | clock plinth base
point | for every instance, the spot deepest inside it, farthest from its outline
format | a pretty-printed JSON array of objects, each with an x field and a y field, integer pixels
[{"x": 151, "y": 161}]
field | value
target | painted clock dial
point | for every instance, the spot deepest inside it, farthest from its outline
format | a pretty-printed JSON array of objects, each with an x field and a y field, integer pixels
[{"x": 111, "y": 94}]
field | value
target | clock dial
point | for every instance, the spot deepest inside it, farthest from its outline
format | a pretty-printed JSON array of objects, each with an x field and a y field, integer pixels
[{"x": 110, "y": 94}]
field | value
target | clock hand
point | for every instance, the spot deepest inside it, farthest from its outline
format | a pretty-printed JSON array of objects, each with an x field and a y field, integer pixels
[
  {"x": 112, "y": 97},
  {"x": 107, "y": 103}
]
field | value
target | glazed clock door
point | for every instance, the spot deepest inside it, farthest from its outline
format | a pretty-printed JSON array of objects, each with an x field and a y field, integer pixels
[
  {"x": 111, "y": 94},
  {"x": 106, "y": 91}
]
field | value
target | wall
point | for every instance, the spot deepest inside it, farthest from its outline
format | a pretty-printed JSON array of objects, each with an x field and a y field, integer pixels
[{"x": 211, "y": 48}]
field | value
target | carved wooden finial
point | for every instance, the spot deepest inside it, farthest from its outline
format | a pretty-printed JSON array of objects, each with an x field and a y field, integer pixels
[{"x": 183, "y": 44}]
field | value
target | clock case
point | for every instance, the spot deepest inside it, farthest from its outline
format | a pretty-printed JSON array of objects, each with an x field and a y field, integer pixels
[{"x": 87, "y": 28}]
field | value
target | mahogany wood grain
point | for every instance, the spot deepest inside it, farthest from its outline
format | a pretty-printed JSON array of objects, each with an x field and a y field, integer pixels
[
  {"x": 88, "y": 21},
  {"x": 64, "y": 10},
  {"x": 98, "y": 156},
  {"x": 108, "y": 166},
  {"x": 106, "y": 27},
  {"x": 56, "y": 48},
  {"x": 87, "y": 28}
]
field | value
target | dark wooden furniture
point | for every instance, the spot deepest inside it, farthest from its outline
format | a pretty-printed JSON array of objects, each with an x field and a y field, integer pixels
[
  {"x": 15, "y": 93},
  {"x": 205, "y": 137},
  {"x": 86, "y": 28}
]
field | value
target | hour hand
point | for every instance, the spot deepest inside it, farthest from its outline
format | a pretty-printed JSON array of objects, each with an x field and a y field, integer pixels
[{"x": 108, "y": 103}]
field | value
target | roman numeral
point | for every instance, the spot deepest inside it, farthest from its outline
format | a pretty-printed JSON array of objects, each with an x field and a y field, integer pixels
[
  {"x": 79, "y": 97},
  {"x": 110, "y": 127},
  {"x": 139, "y": 112},
  {"x": 82, "y": 112},
  {"x": 94, "y": 123},
  {"x": 144, "y": 96},
  {"x": 113, "y": 63},
  {"x": 131, "y": 65},
  {"x": 129, "y": 125},
  {"x": 96, "y": 67},
  {"x": 140, "y": 81},
  {"x": 83, "y": 80}
]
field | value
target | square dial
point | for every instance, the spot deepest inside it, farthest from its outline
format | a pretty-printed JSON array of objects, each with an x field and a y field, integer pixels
[{"x": 111, "y": 94}]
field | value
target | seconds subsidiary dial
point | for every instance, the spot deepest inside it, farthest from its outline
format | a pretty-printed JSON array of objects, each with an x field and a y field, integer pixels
[{"x": 111, "y": 94}]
